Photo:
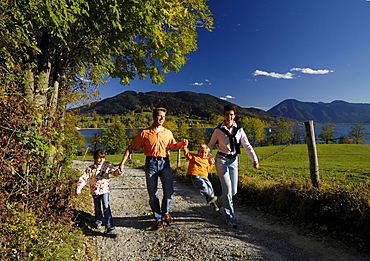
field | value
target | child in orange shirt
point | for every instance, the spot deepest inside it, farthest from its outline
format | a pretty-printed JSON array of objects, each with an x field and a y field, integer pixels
[{"x": 199, "y": 166}]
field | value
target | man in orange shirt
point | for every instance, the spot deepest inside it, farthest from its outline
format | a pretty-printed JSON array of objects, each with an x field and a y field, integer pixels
[{"x": 157, "y": 141}]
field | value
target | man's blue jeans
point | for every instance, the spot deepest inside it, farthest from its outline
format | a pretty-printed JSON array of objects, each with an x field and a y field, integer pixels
[
  {"x": 153, "y": 170},
  {"x": 100, "y": 200},
  {"x": 227, "y": 170}
]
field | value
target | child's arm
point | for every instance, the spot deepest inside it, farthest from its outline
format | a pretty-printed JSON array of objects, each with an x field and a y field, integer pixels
[
  {"x": 82, "y": 182},
  {"x": 114, "y": 172},
  {"x": 185, "y": 149},
  {"x": 211, "y": 162}
]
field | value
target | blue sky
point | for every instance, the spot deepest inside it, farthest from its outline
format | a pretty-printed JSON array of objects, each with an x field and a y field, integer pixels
[{"x": 262, "y": 52}]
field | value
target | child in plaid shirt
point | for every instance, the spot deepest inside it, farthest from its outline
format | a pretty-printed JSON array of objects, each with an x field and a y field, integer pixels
[{"x": 97, "y": 175}]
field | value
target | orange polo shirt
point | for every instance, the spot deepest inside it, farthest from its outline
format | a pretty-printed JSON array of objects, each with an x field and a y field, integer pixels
[
  {"x": 156, "y": 144},
  {"x": 197, "y": 165}
]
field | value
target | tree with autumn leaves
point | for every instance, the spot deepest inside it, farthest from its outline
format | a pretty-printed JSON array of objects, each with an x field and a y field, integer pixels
[{"x": 54, "y": 53}]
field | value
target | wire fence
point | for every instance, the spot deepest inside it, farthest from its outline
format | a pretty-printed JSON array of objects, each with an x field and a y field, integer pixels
[{"x": 265, "y": 156}]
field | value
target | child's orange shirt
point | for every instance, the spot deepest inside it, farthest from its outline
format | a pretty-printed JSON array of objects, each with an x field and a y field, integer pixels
[{"x": 197, "y": 165}]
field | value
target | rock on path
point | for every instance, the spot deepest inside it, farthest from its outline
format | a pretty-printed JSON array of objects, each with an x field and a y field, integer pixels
[{"x": 199, "y": 233}]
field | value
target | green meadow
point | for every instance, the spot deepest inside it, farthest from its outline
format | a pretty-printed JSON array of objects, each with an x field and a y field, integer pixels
[{"x": 338, "y": 163}]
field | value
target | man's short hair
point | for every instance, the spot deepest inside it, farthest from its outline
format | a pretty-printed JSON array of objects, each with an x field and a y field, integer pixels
[
  {"x": 230, "y": 107},
  {"x": 156, "y": 110},
  {"x": 99, "y": 154}
]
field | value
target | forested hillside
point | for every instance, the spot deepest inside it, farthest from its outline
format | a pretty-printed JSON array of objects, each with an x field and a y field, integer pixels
[{"x": 183, "y": 103}]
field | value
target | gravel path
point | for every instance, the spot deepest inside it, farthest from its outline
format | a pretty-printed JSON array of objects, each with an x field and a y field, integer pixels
[{"x": 199, "y": 233}]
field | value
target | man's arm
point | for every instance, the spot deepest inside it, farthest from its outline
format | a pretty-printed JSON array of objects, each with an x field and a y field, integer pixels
[{"x": 178, "y": 145}]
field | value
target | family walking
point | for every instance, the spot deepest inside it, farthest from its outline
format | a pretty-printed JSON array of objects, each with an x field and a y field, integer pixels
[{"x": 157, "y": 141}]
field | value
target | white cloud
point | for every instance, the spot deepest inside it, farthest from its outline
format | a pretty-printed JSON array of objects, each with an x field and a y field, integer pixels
[
  {"x": 274, "y": 74},
  {"x": 197, "y": 84},
  {"x": 290, "y": 75},
  {"x": 312, "y": 71},
  {"x": 202, "y": 83},
  {"x": 227, "y": 97}
]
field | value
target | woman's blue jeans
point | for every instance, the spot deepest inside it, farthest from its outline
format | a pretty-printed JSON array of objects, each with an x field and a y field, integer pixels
[
  {"x": 100, "y": 200},
  {"x": 227, "y": 170},
  {"x": 154, "y": 170}
]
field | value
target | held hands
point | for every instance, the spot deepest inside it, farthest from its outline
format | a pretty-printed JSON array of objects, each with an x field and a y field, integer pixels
[
  {"x": 121, "y": 169},
  {"x": 185, "y": 142},
  {"x": 211, "y": 161},
  {"x": 118, "y": 172}
]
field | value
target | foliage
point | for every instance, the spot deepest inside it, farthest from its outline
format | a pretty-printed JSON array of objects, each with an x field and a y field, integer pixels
[
  {"x": 197, "y": 137},
  {"x": 339, "y": 211},
  {"x": 114, "y": 138},
  {"x": 59, "y": 42},
  {"x": 254, "y": 128},
  {"x": 74, "y": 140},
  {"x": 282, "y": 133},
  {"x": 358, "y": 132},
  {"x": 327, "y": 133},
  {"x": 34, "y": 196}
]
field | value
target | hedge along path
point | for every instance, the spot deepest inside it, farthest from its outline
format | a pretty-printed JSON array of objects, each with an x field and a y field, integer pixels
[{"x": 199, "y": 233}]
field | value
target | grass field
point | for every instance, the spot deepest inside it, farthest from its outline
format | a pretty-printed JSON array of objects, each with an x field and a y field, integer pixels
[{"x": 342, "y": 163}]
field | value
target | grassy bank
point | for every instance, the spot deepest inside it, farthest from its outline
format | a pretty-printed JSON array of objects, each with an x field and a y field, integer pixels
[{"x": 340, "y": 208}]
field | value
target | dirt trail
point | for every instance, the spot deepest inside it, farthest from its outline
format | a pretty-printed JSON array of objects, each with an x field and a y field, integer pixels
[{"x": 199, "y": 233}]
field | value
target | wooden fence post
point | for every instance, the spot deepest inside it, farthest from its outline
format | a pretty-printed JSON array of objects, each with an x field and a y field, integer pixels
[
  {"x": 178, "y": 158},
  {"x": 312, "y": 153}
]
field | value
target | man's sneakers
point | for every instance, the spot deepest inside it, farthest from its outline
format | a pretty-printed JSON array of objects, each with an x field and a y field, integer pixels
[{"x": 168, "y": 219}]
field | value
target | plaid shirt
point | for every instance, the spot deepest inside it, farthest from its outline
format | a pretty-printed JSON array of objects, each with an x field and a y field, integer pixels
[{"x": 97, "y": 177}]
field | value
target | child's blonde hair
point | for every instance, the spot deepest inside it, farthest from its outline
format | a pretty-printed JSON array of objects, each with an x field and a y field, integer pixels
[{"x": 204, "y": 147}]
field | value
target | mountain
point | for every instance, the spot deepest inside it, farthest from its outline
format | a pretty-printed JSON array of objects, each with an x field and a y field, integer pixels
[
  {"x": 334, "y": 112},
  {"x": 177, "y": 103}
]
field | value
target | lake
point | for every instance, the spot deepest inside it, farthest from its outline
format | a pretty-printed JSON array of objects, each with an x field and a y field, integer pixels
[{"x": 342, "y": 130}]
